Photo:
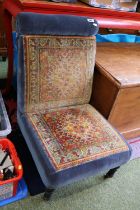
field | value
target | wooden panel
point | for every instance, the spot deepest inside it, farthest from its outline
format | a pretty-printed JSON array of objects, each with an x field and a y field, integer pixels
[
  {"x": 103, "y": 94},
  {"x": 118, "y": 98},
  {"x": 125, "y": 114},
  {"x": 131, "y": 134},
  {"x": 119, "y": 60}
]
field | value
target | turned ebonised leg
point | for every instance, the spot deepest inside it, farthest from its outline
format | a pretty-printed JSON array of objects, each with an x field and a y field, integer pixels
[
  {"x": 47, "y": 194},
  {"x": 111, "y": 172}
]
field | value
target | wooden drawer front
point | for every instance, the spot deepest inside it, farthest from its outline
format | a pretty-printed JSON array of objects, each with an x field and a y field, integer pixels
[{"x": 125, "y": 113}]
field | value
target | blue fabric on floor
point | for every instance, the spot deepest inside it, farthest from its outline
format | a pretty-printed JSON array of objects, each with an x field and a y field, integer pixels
[{"x": 22, "y": 192}]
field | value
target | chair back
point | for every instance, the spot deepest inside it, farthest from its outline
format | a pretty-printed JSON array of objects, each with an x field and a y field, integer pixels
[{"x": 56, "y": 60}]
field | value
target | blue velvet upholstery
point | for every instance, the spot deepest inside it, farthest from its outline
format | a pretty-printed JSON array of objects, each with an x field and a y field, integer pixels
[
  {"x": 36, "y": 24},
  {"x": 55, "y": 25}
]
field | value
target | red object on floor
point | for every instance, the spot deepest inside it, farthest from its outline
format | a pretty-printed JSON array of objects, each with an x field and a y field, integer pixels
[{"x": 8, "y": 188}]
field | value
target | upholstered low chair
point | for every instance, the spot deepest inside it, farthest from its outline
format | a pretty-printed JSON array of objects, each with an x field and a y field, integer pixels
[{"x": 68, "y": 139}]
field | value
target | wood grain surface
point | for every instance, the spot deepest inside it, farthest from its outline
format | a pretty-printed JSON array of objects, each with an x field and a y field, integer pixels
[{"x": 116, "y": 86}]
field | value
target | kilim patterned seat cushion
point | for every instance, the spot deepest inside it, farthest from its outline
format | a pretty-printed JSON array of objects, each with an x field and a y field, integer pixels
[{"x": 75, "y": 135}]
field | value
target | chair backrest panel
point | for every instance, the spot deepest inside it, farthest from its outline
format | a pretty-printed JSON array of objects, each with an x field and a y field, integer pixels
[{"x": 58, "y": 71}]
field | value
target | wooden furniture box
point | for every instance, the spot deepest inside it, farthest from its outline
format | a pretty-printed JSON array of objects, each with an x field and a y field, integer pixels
[{"x": 116, "y": 87}]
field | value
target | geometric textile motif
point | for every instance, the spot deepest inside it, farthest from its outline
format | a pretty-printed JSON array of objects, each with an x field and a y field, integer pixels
[
  {"x": 75, "y": 135},
  {"x": 58, "y": 71}
]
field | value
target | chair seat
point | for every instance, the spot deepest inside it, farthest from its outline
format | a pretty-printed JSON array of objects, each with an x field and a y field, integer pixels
[{"x": 72, "y": 142}]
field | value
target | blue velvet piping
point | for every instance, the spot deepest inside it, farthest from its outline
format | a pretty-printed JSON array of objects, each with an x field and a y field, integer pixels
[{"x": 20, "y": 77}]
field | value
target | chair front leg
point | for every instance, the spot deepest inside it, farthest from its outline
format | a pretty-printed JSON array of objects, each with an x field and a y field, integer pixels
[
  {"x": 47, "y": 194},
  {"x": 111, "y": 172}
]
